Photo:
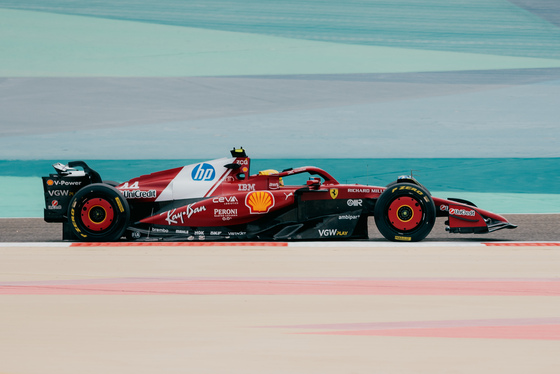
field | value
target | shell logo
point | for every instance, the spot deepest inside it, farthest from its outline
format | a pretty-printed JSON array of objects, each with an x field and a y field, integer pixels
[{"x": 259, "y": 202}]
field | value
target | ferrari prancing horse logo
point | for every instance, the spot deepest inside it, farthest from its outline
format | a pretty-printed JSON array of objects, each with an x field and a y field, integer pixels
[{"x": 333, "y": 192}]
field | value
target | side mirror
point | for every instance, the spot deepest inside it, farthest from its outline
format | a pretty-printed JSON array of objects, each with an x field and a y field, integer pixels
[{"x": 314, "y": 182}]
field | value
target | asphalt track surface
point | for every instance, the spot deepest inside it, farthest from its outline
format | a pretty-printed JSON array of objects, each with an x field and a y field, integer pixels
[{"x": 531, "y": 227}]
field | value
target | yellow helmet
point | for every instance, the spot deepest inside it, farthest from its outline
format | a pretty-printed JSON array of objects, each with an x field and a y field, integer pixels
[{"x": 270, "y": 172}]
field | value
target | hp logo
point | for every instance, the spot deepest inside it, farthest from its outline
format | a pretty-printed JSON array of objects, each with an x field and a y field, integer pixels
[{"x": 203, "y": 172}]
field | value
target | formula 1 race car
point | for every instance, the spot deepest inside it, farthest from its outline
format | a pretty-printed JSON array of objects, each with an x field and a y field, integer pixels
[{"x": 221, "y": 200}]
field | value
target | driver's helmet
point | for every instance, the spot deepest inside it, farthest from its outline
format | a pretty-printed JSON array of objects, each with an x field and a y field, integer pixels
[{"x": 270, "y": 172}]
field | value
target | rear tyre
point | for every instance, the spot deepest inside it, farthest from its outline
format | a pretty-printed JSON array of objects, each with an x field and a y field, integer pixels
[
  {"x": 405, "y": 212},
  {"x": 98, "y": 212}
]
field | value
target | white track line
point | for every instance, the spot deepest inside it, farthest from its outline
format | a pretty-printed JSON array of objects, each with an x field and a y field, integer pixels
[{"x": 36, "y": 244}]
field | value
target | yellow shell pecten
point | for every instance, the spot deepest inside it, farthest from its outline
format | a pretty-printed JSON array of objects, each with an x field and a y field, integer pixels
[{"x": 260, "y": 201}]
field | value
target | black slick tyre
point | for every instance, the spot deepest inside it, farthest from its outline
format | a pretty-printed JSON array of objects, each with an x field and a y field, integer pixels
[
  {"x": 405, "y": 212},
  {"x": 98, "y": 212}
]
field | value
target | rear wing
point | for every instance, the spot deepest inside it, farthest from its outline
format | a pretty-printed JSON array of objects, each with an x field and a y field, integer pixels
[{"x": 59, "y": 188}]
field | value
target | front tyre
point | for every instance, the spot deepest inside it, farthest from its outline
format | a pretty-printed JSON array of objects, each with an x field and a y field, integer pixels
[
  {"x": 405, "y": 212},
  {"x": 98, "y": 212}
]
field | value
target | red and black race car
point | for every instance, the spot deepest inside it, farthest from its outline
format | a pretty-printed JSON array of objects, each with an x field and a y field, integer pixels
[{"x": 221, "y": 200}]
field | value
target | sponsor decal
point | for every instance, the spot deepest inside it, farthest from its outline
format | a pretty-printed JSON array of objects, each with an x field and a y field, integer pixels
[
  {"x": 237, "y": 233},
  {"x": 54, "y": 205},
  {"x": 51, "y": 182},
  {"x": 333, "y": 192},
  {"x": 408, "y": 188},
  {"x": 403, "y": 238},
  {"x": 332, "y": 232},
  {"x": 199, "y": 233},
  {"x": 203, "y": 172},
  {"x": 288, "y": 195},
  {"x": 296, "y": 170},
  {"x": 73, "y": 219},
  {"x": 274, "y": 185},
  {"x": 73, "y": 183},
  {"x": 359, "y": 190},
  {"x": 462, "y": 212},
  {"x": 246, "y": 187},
  {"x": 443, "y": 208},
  {"x": 365, "y": 190},
  {"x": 349, "y": 217},
  {"x": 216, "y": 233},
  {"x": 163, "y": 231},
  {"x": 60, "y": 193},
  {"x": 138, "y": 194},
  {"x": 173, "y": 217},
  {"x": 121, "y": 207},
  {"x": 354, "y": 202},
  {"x": 136, "y": 235},
  {"x": 132, "y": 186},
  {"x": 225, "y": 214},
  {"x": 227, "y": 200},
  {"x": 190, "y": 210},
  {"x": 185, "y": 232},
  {"x": 242, "y": 161},
  {"x": 259, "y": 202}
]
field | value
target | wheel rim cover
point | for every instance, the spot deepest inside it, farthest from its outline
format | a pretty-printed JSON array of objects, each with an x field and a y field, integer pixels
[
  {"x": 405, "y": 213},
  {"x": 97, "y": 214}
]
